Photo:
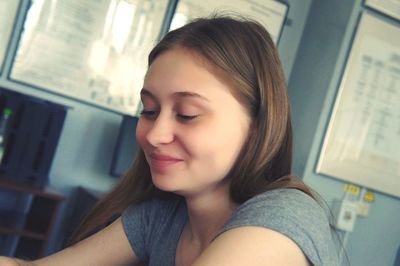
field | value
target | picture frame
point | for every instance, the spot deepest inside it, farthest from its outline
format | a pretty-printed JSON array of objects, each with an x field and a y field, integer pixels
[
  {"x": 91, "y": 51},
  {"x": 8, "y": 13},
  {"x": 363, "y": 136}
]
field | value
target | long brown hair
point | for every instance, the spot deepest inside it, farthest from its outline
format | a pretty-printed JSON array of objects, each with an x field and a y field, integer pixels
[{"x": 244, "y": 52}]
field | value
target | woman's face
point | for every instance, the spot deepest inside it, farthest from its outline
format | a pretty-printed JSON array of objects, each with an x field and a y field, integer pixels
[{"x": 192, "y": 128}]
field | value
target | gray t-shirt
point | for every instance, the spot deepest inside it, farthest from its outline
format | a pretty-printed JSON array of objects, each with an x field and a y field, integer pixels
[{"x": 153, "y": 227}]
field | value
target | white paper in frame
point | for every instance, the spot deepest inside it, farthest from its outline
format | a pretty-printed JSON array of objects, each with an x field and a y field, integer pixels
[
  {"x": 94, "y": 51},
  {"x": 387, "y": 7},
  {"x": 362, "y": 144},
  {"x": 8, "y": 12},
  {"x": 271, "y": 14}
]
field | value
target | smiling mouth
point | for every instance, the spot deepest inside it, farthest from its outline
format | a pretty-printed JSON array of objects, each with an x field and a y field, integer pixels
[{"x": 163, "y": 161}]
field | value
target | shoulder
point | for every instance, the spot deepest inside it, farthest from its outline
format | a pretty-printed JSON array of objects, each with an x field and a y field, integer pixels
[
  {"x": 293, "y": 214},
  {"x": 278, "y": 204}
]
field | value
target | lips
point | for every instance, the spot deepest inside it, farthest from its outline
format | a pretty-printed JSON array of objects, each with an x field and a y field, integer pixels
[{"x": 163, "y": 161}]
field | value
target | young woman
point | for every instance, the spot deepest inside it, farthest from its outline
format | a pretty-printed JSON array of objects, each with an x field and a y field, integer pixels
[{"x": 212, "y": 183}]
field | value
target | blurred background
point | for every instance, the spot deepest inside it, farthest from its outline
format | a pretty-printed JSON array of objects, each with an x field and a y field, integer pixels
[{"x": 70, "y": 77}]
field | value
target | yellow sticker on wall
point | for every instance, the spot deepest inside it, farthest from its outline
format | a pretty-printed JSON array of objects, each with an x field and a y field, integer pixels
[
  {"x": 352, "y": 189},
  {"x": 369, "y": 196}
]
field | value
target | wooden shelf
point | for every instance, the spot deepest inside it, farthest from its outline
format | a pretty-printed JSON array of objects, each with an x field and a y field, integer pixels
[
  {"x": 28, "y": 228},
  {"x": 23, "y": 233},
  {"x": 47, "y": 192}
]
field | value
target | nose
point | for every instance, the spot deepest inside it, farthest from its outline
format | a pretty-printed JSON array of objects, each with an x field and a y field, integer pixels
[{"x": 160, "y": 132}]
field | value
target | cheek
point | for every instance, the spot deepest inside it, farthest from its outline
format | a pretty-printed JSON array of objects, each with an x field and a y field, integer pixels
[
  {"x": 216, "y": 145},
  {"x": 141, "y": 131}
]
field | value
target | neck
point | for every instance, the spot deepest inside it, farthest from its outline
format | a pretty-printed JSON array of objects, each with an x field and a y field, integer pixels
[{"x": 207, "y": 215}]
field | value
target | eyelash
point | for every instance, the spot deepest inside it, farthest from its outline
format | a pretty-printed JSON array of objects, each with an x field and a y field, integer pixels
[
  {"x": 186, "y": 118},
  {"x": 152, "y": 114},
  {"x": 147, "y": 114}
]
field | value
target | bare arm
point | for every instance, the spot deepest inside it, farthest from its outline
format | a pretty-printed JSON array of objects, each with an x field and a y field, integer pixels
[
  {"x": 109, "y": 246},
  {"x": 251, "y": 245}
]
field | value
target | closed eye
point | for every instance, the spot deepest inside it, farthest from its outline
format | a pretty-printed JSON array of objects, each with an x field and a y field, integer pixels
[
  {"x": 148, "y": 113},
  {"x": 186, "y": 118}
]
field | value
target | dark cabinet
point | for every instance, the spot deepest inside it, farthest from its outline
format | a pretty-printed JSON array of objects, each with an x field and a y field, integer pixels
[{"x": 27, "y": 216}]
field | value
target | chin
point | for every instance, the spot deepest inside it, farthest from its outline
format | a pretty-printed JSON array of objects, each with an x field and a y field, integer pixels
[{"x": 164, "y": 183}]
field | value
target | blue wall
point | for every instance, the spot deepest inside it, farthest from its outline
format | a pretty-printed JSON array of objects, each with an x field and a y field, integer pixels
[
  {"x": 313, "y": 54},
  {"x": 313, "y": 85},
  {"x": 83, "y": 156}
]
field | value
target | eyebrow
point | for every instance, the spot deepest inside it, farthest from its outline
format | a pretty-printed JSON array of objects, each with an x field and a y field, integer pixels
[
  {"x": 145, "y": 92},
  {"x": 179, "y": 94}
]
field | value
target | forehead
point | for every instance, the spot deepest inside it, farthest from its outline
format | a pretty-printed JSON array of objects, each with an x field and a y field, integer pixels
[
  {"x": 178, "y": 61},
  {"x": 180, "y": 69}
]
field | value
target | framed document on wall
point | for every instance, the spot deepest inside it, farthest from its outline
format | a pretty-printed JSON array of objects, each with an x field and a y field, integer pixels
[
  {"x": 8, "y": 12},
  {"x": 270, "y": 13},
  {"x": 362, "y": 144},
  {"x": 387, "y": 7},
  {"x": 94, "y": 51}
]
